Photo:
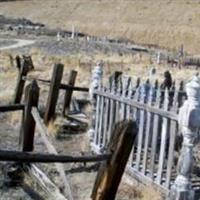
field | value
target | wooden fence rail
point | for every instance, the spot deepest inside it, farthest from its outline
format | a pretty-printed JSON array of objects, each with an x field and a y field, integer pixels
[
  {"x": 11, "y": 108},
  {"x": 49, "y": 158},
  {"x": 20, "y": 83},
  {"x": 62, "y": 86}
]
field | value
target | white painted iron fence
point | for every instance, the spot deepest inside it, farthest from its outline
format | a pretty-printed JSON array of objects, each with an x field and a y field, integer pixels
[{"x": 155, "y": 155}]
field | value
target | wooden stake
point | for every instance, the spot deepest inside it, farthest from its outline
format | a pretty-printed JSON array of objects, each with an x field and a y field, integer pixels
[
  {"x": 110, "y": 172},
  {"x": 68, "y": 93},
  {"x": 28, "y": 126},
  {"x": 23, "y": 71},
  {"x": 53, "y": 93},
  {"x": 49, "y": 158},
  {"x": 18, "y": 62}
]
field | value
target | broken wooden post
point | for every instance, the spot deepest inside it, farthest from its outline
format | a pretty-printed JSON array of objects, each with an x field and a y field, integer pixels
[
  {"x": 180, "y": 94},
  {"x": 53, "y": 92},
  {"x": 111, "y": 171},
  {"x": 29, "y": 62},
  {"x": 96, "y": 82},
  {"x": 137, "y": 82},
  {"x": 20, "y": 83},
  {"x": 189, "y": 124},
  {"x": 68, "y": 93},
  {"x": 28, "y": 126},
  {"x": 18, "y": 62},
  {"x": 114, "y": 78}
]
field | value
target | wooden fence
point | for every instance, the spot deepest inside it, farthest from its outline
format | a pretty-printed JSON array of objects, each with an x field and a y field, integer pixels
[
  {"x": 155, "y": 155},
  {"x": 118, "y": 152},
  {"x": 55, "y": 85}
]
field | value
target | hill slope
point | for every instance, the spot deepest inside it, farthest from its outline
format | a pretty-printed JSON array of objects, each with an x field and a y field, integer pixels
[{"x": 167, "y": 23}]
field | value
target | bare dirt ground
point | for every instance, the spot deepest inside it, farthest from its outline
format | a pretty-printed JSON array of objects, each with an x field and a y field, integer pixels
[{"x": 167, "y": 23}]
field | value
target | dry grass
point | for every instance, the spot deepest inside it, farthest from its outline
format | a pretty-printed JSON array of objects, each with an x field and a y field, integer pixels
[
  {"x": 53, "y": 128},
  {"x": 132, "y": 65},
  {"x": 138, "y": 191},
  {"x": 164, "y": 23},
  {"x": 14, "y": 118},
  {"x": 150, "y": 193},
  {"x": 8, "y": 76}
]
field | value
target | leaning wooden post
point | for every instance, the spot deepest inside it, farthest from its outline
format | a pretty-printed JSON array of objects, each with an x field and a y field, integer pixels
[
  {"x": 111, "y": 171},
  {"x": 20, "y": 83},
  {"x": 68, "y": 93},
  {"x": 96, "y": 82},
  {"x": 189, "y": 124},
  {"x": 28, "y": 126},
  {"x": 18, "y": 62},
  {"x": 53, "y": 92}
]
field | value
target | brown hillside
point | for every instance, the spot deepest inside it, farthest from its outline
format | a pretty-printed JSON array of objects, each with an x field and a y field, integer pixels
[{"x": 167, "y": 23}]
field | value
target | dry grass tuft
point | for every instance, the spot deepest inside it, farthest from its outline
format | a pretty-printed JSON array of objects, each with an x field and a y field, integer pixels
[
  {"x": 14, "y": 118},
  {"x": 53, "y": 128},
  {"x": 150, "y": 193},
  {"x": 138, "y": 191},
  {"x": 125, "y": 190}
]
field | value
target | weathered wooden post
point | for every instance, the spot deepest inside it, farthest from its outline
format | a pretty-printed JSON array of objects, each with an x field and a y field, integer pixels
[
  {"x": 68, "y": 93},
  {"x": 96, "y": 82},
  {"x": 28, "y": 126},
  {"x": 111, "y": 171},
  {"x": 28, "y": 61},
  {"x": 138, "y": 82},
  {"x": 53, "y": 92},
  {"x": 180, "y": 94},
  {"x": 189, "y": 124},
  {"x": 114, "y": 78},
  {"x": 23, "y": 71},
  {"x": 18, "y": 62}
]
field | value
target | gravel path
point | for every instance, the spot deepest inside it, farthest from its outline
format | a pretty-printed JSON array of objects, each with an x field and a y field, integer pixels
[{"x": 6, "y": 44}]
